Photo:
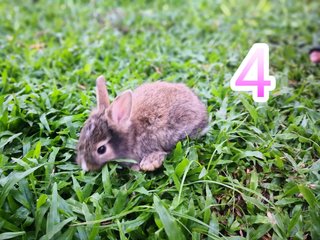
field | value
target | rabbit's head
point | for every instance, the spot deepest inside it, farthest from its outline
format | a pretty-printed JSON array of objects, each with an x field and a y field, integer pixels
[{"x": 104, "y": 136}]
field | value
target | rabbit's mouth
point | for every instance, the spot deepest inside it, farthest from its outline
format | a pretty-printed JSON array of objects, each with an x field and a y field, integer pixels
[
  {"x": 84, "y": 166},
  {"x": 89, "y": 167}
]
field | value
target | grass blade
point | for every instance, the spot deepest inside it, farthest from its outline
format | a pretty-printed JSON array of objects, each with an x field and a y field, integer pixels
[
  {"x": 308, "y": 195},
  {"x": 57, "y": 228},
  {"x": 9, "y": 235},
  {"x": 171, "y": 226},
  {"x": 13, "y": 179},
  {"x": 53, "y": 215}
]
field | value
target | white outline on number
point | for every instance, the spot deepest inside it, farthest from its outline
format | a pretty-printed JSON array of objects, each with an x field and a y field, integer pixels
[{"x": 254, "y": 89}]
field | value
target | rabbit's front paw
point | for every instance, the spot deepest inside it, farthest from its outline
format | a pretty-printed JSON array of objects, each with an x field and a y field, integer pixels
[
  {"x": 135, "y": 167},
  {"x": 152, "y": 161}
]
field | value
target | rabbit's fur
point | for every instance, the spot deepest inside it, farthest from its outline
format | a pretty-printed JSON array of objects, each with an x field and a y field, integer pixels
[{"x": 143, "y": 125}]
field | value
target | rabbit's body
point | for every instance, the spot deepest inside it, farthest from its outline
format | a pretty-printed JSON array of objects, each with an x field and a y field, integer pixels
[
  {"x": 164, "y": 113},
  {"x": 160, "y": 115}
]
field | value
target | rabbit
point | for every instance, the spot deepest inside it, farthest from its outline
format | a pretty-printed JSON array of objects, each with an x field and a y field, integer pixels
[{"x": 143, "y": 125}]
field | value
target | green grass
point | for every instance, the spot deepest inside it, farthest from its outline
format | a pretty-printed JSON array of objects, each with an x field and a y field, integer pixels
[{"x": 255, "y": 175}]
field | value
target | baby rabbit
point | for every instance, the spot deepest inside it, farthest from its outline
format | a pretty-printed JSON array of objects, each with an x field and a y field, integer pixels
[{"x": 143, "y": 125}]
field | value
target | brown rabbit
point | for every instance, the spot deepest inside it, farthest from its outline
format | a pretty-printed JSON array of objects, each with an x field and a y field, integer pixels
[{"x": 143, "y": 125}]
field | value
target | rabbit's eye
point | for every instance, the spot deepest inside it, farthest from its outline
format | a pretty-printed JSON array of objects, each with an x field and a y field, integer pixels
[{"x": 102, "y": 149}]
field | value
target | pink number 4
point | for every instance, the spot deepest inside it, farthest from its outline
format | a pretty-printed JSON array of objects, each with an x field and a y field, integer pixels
[{"x": 253, "y": 74}]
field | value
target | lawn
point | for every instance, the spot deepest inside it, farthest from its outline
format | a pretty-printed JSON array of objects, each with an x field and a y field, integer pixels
[{"x": 255, "y": 175}]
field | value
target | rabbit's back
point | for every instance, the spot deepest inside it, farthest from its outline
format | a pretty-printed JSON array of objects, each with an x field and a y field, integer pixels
[{"x": 164, "y": 113}]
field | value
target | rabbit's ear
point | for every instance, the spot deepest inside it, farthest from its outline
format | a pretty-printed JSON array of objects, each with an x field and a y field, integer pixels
[
  {"x": 102, "y": 93},
  {"x": 120, "y": 110}
]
